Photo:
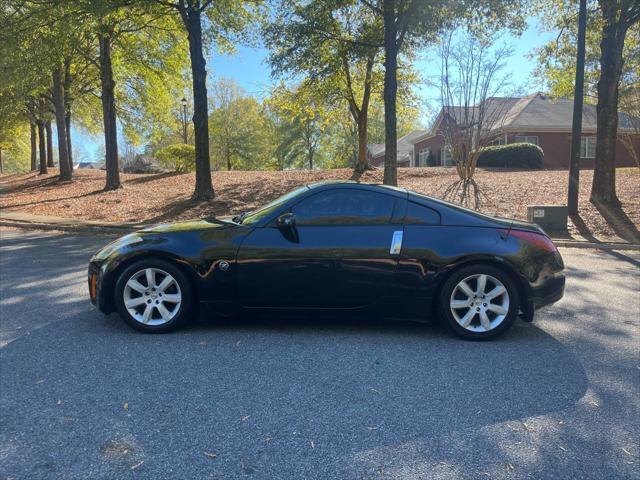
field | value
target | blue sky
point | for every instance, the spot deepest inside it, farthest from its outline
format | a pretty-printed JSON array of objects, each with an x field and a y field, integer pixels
[{"x": 248, "y": 67}]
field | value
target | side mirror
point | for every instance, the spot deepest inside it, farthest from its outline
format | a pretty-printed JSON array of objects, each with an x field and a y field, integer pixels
[{"x": 287, "y": 220}]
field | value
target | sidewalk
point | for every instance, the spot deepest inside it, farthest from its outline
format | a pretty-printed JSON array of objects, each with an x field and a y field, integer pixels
[{"x": 45, "y": 222}]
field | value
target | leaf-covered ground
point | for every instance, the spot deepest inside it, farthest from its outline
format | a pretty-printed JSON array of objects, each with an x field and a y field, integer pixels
[{"x": 166, "y": 197}]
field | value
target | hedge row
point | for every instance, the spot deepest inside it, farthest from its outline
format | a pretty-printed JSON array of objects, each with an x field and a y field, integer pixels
[{"x": 513, "y": 155}]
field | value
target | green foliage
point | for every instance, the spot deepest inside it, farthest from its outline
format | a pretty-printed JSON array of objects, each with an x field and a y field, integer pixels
[
  {"x": 179, "y": 157},
  {"x": 514, "y": 155},
  {"x": 237, "y": 126},
  {"x": 557, "y": 58},
  {"x": 407, "y": 114},
  {"x": 14, "y": 142}
]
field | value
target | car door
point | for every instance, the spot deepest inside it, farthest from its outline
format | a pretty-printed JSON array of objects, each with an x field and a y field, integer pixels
[
  {"x": 362, "y": 224},
  {"x": 415, "y": 283},
  {"x": 332, "y": 254}
]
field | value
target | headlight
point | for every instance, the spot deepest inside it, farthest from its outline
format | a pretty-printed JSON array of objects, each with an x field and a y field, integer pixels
[{"x": 115, "y": 245}]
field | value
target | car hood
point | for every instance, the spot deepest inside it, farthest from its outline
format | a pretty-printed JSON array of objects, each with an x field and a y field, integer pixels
[
  {"x": 186, "y": 239},
  {"x": 191, "y": 225}
]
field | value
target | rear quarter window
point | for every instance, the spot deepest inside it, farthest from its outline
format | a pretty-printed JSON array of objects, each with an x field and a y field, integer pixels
[{"x": 421, "y": 215}]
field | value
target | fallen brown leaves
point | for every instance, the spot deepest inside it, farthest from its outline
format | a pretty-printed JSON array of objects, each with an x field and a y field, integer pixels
[{"x": 166, "y": 197}]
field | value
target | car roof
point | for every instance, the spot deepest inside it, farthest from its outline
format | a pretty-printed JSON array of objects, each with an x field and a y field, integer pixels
[
  {"x": 359, "y": 185},
  {"x": 451, "y": 213}
]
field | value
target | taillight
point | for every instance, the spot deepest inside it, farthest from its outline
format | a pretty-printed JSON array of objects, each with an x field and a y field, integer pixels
[{"x": 537, "y": 239}]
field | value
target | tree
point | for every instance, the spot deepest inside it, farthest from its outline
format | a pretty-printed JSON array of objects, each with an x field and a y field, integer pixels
[
  {"x": 309, "y": 118},
  {"x": 237, "y": 128},
  {"x": 617, "y": 18},
  {"x": 408, "y": 24},
  {"x": 336, "y": 44},
  {"x": 471, "y": 78},
  {"x": 576, "y": 131},
  {"x": 37, "y": 31},
  {"x": 611, "y": 71},
  {"x": 179, "y": 157},
  {"x": 222, "y": 19},
  {"x": 48, "y": 131}
]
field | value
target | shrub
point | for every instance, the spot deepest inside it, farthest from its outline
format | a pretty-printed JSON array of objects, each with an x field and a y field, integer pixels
[
  {"x": 179, "y": 157},
  {"x": 514, "y": 155}
]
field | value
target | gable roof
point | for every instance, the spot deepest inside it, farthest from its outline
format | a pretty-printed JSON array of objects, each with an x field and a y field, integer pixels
[
  {"x": 533, "y": 113},
  {"x": 405, "y": 145}
]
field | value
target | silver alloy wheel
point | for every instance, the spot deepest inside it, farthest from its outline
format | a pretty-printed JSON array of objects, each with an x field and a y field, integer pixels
[
  {"x": 479, "y": 303},
  {"x": 152, "y": 296}
]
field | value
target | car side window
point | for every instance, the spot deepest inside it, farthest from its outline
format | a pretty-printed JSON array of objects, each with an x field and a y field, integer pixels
[
  {"x": 421, "y": 215},
  {"x": 344, "y": 207}
]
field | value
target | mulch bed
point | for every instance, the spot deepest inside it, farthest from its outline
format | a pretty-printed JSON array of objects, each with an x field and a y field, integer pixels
[{"x": 166, "y": 197}]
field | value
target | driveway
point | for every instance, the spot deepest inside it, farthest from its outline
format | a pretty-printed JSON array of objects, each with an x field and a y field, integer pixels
[{"x": 84, "y": 397}]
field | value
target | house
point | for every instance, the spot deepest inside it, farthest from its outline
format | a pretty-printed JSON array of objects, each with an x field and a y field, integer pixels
[
  {"x": 88, "y": 166},
  {"x": 536, "y": 119},
  {"x": 406, "y": 150}
]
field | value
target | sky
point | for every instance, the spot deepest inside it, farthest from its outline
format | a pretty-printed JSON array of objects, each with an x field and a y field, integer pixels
[{"x": 248, "y": 67}]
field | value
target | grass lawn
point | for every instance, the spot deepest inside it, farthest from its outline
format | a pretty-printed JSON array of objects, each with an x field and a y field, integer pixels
[{"x": 165, "y": 197}]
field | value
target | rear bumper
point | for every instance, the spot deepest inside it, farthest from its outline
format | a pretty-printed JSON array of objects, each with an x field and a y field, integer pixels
[
  {"x": 549, "y": 292},
  {"x": 546, "y": 294}
]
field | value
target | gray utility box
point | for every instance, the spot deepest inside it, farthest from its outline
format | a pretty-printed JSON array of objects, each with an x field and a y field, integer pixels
[{"x": 552, "y": 218}]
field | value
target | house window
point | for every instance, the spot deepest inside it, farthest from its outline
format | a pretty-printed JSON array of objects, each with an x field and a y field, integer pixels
[
  {"x": 423, "y": 155},
  {"x": 527, "y": 139},
  {"x": 447, "y": 158},
  {"x": 588, "y": 147}
]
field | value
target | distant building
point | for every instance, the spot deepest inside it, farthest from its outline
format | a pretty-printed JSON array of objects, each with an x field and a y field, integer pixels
[
  {"x": 536, "y": 119},
  {"x": 88, "y": 166}
]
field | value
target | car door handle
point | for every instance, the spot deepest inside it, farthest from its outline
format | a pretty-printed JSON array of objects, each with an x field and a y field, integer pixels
[{"x": 396, "y": 243}]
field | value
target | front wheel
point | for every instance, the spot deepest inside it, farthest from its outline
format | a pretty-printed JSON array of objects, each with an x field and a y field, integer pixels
[
  {"x": 154, "y": 296},
  {"x": 479, "y": 302}
]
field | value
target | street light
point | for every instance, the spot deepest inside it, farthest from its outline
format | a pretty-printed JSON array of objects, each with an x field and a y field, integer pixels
[{"x": 184, "y": 120}]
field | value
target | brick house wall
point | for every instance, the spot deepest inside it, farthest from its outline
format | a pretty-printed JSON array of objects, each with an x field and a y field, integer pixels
[
  {"x": 435, "y": 144},
  {"x": 555, "y": 145}
]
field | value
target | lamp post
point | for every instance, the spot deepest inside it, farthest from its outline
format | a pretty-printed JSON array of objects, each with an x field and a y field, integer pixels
[{"x": 184, "y": 120}]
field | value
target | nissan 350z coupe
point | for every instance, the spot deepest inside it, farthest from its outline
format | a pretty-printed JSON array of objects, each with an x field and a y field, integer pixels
[{"x": 334, "y": 248}]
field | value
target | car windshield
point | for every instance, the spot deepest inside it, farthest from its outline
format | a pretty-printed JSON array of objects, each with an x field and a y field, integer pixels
[{"x": 257, "y": 215}]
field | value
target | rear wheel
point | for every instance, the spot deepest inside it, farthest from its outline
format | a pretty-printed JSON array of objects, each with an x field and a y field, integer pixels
[
  {"x": 154, "y": 296},
  {"x": 479, "y": 302}
]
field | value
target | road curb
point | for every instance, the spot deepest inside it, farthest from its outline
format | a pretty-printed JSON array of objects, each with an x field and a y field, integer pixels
[
  {"x": 128, "y": 228},
  {"x": 82, "y": 229},
  {"x": 596, "y": 245}
]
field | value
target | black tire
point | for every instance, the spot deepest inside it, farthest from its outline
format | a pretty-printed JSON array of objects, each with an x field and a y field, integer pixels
[
  {"x": 186, "y": 307},
  {"x": 450, "y": 284}
]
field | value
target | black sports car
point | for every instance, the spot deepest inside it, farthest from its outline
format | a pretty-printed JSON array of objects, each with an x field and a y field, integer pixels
[{"x": 334, "y": 248}]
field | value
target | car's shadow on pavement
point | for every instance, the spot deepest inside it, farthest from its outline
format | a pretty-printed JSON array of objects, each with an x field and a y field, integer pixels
[{"x": 254, "y": 392}]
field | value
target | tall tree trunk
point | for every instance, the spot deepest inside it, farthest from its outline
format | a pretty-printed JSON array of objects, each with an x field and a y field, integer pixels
[
  {"x": 42, "y": 147},
  {"x": 34, "y": 152},
  {"x": 576, "y": 128},
  {"x": 603, "y": 189},
  {"x": 1, "y": 162},
  {"x": 47, "y": 127},
  {"x": 362, "y": 163},
  {"x": 109, "y": 113},
  {"x": 67, "y": 108},
  {"x": 204, "y": 187},
  {"x": 67, "y": 121},
  {"x": 58, "y": 102},
  {"x": 390, "y": 94}
]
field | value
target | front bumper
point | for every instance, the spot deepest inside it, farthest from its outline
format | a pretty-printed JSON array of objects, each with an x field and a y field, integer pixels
[{"x": 97, "y": 294}]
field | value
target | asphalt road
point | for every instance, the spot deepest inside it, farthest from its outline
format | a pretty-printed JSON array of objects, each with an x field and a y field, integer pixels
[{"x": 84, "y": 397}]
